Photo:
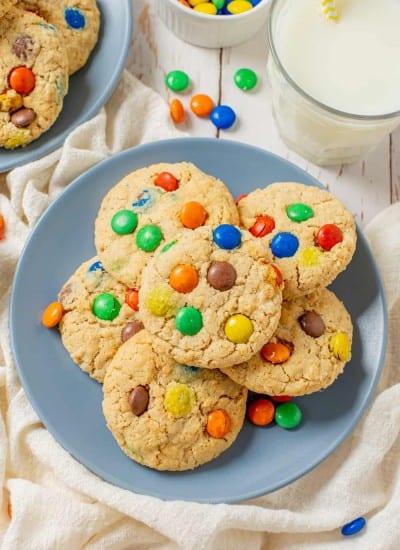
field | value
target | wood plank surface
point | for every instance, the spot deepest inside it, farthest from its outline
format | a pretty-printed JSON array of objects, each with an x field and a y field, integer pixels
[{"x": 366, "y": 187}]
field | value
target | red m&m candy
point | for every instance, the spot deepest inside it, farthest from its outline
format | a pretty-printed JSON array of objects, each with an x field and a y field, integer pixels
[
  {"x": 262, "y": 226},
  {"x": 328, "y": 236},
  {"x": 166, "y": 181}
]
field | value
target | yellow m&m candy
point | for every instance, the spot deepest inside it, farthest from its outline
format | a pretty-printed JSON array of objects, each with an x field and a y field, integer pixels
[
  {"x": 238, "y": 328},
  {"x": 179, "y": 399},
  {"x": 161, "y": 302},
  {"x": 339, "y": 344},
  {"x": 208, "y": 8},
  {"x": 239, "y": 6}
]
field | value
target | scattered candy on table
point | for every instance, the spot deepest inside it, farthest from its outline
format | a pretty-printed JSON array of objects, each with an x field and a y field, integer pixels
[
  {"x": 177, "y": 81},
  {"x": 202, "y": 105},
  {"x": 245, "y": 79},
  {"x": 353, "y": 527},
  {"x": 177, "y": 111},
  {"x": 2, "y": 227},
  {"x": 223, "y": 117}
]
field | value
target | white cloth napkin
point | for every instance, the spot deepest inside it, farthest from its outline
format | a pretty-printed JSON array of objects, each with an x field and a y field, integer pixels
[{"x": 58, "y": 504}]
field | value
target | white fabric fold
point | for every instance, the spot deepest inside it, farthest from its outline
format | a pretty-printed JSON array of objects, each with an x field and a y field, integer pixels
[{"x": 57, "y": 503}]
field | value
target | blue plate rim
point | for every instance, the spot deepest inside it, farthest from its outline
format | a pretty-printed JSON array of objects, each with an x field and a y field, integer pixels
[
  {"x": 251, "y": 495},
  {"x": 56, "y": 143}
]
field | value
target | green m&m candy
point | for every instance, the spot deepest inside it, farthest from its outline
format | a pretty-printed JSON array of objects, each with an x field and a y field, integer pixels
[
  {"x": 189, "y": 320},
  {"x": 245, "y": 79},
  {"x": 106, "y": 307},
  {"x": 124, "y": 222},
  {"x": 177, "y": 81},
  {"x": 299, "y": 212},
  {"x": 149, "y": 237},
  {"x": 288, "y": 415}
]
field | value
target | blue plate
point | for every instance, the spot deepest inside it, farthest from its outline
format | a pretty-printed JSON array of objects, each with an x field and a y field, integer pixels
[
  {"x": 69, "y": 402},
  {"x": 90, "y": 87}
]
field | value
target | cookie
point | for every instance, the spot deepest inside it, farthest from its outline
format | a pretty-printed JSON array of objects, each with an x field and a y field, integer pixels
[
  {"x": 144, "y": 211},
  {"x": 310, "y": 233},
  {"x": 33, "y": 77},
  {"x": 99, "y": 315},
  {"x": 5, "y": 6},
  {"x": 212, "y": 297},
  {"x": 78, "y": 22},
  {"x": 308, "y": 351},
  {"x": 169, "y": 416}
]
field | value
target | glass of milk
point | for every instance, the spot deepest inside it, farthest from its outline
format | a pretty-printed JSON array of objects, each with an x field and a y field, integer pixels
[{"x": 335, "y": 85}]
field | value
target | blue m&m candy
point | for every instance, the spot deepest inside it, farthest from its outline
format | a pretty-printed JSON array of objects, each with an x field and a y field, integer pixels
[
  {"x": 227, "y": 236},
  {"x": 223, "y": 117},
  {"x": 353, "y": 527},
  {"x": 75, "y": 18},
  {"x": 284, "y": 245},
  {"x": 96, "y": 266}
]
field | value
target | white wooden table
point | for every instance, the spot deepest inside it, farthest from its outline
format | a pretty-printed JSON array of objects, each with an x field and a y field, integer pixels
[{"x": 366, "y": 187}]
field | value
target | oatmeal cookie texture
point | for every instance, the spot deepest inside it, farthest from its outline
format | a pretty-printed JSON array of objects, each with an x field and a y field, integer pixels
[
  {"x": 306, "y": 354},
  {"x": 213, "y": 298},
  {"x": 99, "y": 315},
  {"x": 166, "y": 415},
  {"x": 78, "y": 22},
  {"x": 310, "y": 233},
  {"x": 5, "y": 6},
  {"x": 144, "y": 211},
  {"x": 33, "y": 77}
]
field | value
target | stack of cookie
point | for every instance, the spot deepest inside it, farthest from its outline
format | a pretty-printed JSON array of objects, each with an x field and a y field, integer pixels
[
  {"x": 42, "y": 43},
  {"x": 194, "y": 299}
]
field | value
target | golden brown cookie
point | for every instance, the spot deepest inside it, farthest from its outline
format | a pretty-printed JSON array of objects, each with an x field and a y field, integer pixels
[
  {"x": 211, "y": 297},
  {"x": 169, "y": 416},
  {"x": 310, "y": 233},
  {"x": 99, "y": 315},
  {"x": 145, "y": 210},
  {"x": 308, "y": 351},
  {"x": 78, "y": 22},
  {"x": 33, "y": 77}
]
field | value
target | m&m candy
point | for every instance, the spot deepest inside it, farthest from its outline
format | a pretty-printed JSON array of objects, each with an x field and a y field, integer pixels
[
  {"x": 202, "y": 105},
  {"x": 177, "y": 111},
  {"x": 220, "y": 7},
  {"x": 223, "y": 117},
  {"x": 284, "y": 245},
  {"x": 52, "y": 315},
  {"x": 177, "y": 81},
  {"x": 261, "y": 412},
  {"x": 227, "y": 236},
  {"x": 288, "y": 415},
  {"x": 353, "y": 527},
  {"x": 189, "y": 320},
  {"x": 218, "y": 423},
  {"x": 245, "y": 79},
  {"x": 106, "y": 307},
  {"x": 238, "y": 328}
]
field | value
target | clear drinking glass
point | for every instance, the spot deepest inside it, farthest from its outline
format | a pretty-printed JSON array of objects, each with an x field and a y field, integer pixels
[{"x": 316, "y": 131}]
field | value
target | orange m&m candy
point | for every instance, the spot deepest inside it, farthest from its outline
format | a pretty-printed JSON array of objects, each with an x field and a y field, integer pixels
[
  {"x": 9, "y": 510},
  {"x": 132, "y": 299},
  {"x": 275, "y": 353},
  {"x": 52, "y": 315},
  {"x": 278, "y": 273},
  {"x": 193, "y": 215},
  {"x": 22, "y": 80},
  {"x": 202, "y": 105},
  {"x": 177, "y": 111},
  {"x": 184, "y": 278},
  {"x": 2, "y": 227},
  {"x": 261, "y": 412},
  {"x": 218, "y": 423}
]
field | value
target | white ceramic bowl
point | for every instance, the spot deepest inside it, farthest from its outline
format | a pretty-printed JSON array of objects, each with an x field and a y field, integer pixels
[{"x": 212, "y": 31}]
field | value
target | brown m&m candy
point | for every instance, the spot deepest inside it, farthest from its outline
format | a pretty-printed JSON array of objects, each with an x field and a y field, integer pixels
[
  {"x": 130, "y": 329},
  {"x": 139, "y": 400},
  {"x": 221, "y": 275},
  {"x": 312, "y": 324}
]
